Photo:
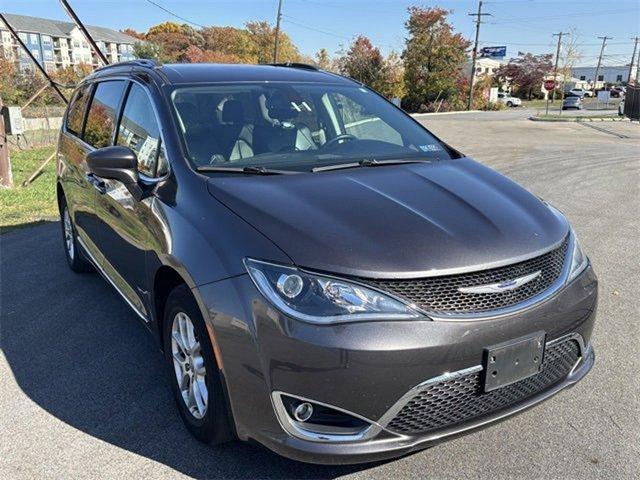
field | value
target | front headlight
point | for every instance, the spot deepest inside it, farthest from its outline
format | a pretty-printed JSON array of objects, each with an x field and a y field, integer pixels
[
  {"x": 579, "y": 260},
  {"x": 319, "y": 299}
]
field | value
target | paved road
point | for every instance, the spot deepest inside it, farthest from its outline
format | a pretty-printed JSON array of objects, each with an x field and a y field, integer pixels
[{"x": 82, "y": 386}]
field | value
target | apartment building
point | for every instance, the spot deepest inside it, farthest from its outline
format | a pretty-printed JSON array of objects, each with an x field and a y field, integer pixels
[{"x": 57, "y": 44}]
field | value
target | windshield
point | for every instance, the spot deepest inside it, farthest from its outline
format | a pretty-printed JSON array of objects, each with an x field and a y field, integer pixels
[{"x": 299, "y": 127}]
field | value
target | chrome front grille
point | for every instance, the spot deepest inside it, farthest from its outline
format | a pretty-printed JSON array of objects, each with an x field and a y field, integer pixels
[
  {"x": 441, "y": 295},
  {"x": 461, "y": 399}
]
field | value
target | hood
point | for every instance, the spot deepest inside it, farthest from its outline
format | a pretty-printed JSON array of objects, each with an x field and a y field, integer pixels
[{"x": 402, "y": 221}]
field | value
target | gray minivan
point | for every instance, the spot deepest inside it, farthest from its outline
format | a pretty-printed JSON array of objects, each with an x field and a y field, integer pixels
[{"x": 323, "y": 275}]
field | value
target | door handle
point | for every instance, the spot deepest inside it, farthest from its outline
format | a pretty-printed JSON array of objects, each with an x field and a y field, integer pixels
[{"x": 98, "y": 184}]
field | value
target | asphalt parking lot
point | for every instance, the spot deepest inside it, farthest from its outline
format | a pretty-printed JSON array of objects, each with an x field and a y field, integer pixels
[{"x": 83, "y": 392}]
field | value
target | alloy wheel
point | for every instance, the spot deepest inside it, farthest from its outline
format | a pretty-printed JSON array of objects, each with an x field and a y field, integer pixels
[
  {"x": 68, "y": 233},
  {"x": 188, "y": 364}
]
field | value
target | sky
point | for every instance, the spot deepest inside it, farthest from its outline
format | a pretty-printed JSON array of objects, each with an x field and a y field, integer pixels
[{"x": 521, "y": 25}]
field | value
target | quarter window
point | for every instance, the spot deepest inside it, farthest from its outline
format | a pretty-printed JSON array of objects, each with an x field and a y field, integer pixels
[
  {"x": 140, "y": 132},
  {"x": 78, "y": 105},
  {"x": 101, "y": 119}
]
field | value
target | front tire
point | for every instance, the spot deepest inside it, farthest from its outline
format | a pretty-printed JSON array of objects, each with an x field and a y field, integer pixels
[
  {"x": 509, "y": 104},
  {"x": 193, "y": 371},
  {"x": 72, "y": 253}
]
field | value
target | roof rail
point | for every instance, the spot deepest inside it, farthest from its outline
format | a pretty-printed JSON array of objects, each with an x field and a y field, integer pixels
[
  {"x": 140, "y": 62},
  {"x": 303, "y": 66}
]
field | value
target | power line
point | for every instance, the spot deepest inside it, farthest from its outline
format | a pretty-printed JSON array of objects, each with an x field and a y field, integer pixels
[
  {"x": 331, "y": 33},
  {"x": 174, "y": 14},
  {"x": 545, "y": 18},
  {"x": 314, "y": 29}
]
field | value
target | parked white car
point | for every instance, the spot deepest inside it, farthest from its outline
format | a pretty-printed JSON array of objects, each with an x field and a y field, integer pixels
[
  {"x": 508, "y": 100},
  {"x": 581, "y": 92}
]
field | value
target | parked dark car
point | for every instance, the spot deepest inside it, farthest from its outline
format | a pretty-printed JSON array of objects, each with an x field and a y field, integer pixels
[
  {"x": 324, "y": 275},
  {"x": 572, "y": 102}
]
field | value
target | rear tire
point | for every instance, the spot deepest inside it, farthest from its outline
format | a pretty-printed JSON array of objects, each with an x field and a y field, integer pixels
[
  {"x": 75, "y": 259},
  {"x": 509, "y": 104},
  {"x": 194, "y": 375}
]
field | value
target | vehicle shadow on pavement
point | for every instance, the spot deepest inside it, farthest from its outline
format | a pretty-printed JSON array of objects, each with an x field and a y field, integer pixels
[{"x": 78, "y": 351}]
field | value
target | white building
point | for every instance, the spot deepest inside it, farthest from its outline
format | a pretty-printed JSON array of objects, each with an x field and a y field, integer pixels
[
  {"x": 615, "y": 75},
  {"x": 484, "y": 67},
  {"x": 56, "y": 44}
]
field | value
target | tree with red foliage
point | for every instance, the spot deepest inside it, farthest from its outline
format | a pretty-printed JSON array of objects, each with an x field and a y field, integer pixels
[
  {"x": 362, "y": 62},
  {"x": 526, "y": 72}
]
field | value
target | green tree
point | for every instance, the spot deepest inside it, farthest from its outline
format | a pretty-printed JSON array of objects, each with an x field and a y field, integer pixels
[
  {"x": 262, "y": 36},
  {"x": 147, "y": 49},
  {"x": 234, "y": 44},
  {"x": 323, "y": 60},
  {"x": 390, "y": 79},
  {"x": 174, "y": 40},
  {"x": 433, "y": 57}
]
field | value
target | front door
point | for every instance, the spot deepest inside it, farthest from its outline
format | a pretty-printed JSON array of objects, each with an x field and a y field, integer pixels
[{"x": 129, "y": 226}]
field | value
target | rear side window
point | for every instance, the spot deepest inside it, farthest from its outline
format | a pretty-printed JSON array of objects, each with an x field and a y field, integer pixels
[
  {"x": 101, "y": 120},
  {"x": 75, "y": 116},
  {"x": 140, "y": 132}
]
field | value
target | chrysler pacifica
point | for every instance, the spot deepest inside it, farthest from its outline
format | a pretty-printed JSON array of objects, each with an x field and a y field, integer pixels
[{"x": 324, "y": 276}]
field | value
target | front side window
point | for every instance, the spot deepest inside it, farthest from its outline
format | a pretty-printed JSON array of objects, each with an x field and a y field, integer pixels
[
  {"x": 296, "y": 126},
  {"x": 140, "y": 132},
  {"x": 77, "y": 107},
  {"x": 101, "y": 119}
]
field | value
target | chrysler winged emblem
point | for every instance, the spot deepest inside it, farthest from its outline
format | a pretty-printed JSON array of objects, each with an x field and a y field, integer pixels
[{"x": 505, "y": 286}]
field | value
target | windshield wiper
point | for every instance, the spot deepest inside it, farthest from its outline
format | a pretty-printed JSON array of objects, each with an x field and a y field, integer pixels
[
  {"x": 245, "y": 170},
  {"x": 367, "y": 162}
]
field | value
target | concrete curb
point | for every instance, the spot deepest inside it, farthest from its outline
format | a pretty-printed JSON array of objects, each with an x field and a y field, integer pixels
[
  {"x": 578, "y": 119},
  {"x": 420, "y": 115}
]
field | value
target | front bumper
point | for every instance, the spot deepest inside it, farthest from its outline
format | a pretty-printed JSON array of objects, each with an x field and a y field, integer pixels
[{"x": 371, "y": 368}]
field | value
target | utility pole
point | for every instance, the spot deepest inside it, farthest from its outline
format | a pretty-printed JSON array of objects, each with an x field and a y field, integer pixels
[
  {"x": 633, "y": 57},
  {"x": 595, "y": 80},
  {"x": 278, "y": 18},
  {"x": 474, "y": 55},
  {"x": 555, "y": 68},
  {"x": 6, "y": 178}
]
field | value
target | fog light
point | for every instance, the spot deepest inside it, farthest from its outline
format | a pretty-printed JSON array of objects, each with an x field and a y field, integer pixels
[
  {"x": 290, "y": 285},
  {"x": 303, "y": 412}
]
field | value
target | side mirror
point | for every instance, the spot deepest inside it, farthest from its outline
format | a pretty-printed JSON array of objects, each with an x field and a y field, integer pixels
[{"x": 114, "y": 163}]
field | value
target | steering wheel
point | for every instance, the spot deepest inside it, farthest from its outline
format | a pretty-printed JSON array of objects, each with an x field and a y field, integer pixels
[{"x": 342, "y": 136}]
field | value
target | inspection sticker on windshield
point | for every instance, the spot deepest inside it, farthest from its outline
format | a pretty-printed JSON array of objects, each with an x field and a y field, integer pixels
[{"x": 432, "y": 147}]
